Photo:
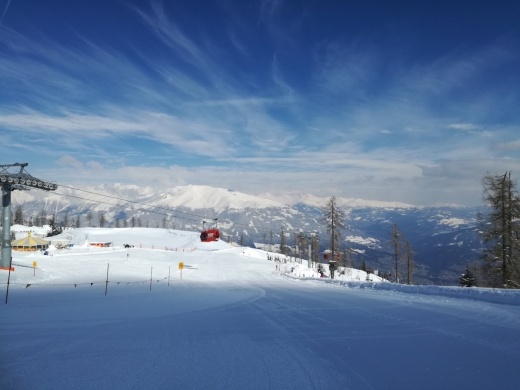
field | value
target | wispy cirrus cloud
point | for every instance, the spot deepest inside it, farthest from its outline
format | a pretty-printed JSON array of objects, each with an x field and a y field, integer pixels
[{"x": 243, "y": 94}]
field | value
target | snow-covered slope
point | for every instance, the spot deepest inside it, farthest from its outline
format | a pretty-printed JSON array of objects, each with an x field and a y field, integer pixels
[
  {"x": 315, "y": 201},
  {"x": 129, "y": 318},
  {"x": 197, "y": 197}
]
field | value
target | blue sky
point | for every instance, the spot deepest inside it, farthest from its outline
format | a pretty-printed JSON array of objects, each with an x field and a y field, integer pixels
[{"x": 410, "y": 101}]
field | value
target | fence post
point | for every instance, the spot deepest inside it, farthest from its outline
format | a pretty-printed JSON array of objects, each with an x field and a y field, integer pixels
[
  {"x": 8, "y": 279},
  {"x": 106, "y": 284}
]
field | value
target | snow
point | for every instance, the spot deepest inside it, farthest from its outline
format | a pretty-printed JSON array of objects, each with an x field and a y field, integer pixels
[
  {"x": 219, "y": 199},
  {"x": 349, "y": 203},
  {"x": 235, "y": 320},
  {"x": 194, "y": 197},
  {"x": 453, "y": 222},
  {"x": 367, "y": 241}
]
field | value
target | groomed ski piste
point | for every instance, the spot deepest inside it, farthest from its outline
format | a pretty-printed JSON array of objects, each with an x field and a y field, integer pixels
[{"x": 118, "y": 317}]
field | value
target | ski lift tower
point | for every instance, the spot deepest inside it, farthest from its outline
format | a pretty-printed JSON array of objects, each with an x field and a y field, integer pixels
[{"x": 9, "y": 182}]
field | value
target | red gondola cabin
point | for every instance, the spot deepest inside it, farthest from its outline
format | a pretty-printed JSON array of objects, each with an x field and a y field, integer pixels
[{"x": 209, "y": 235}]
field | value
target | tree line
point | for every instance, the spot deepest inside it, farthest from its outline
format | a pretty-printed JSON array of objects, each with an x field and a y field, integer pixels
[
  {"x": 499, "y": 263},
  {"x": 89, "y": 219}
]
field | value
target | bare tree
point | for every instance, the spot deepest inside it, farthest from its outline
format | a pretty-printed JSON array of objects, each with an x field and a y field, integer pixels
[
  {"x": 301, "y": 243},
  {"x": 347, "y": 258},
  {"x": 102, "y": 219},
  {"x": 65, "y": 221},
  {"x": 89, "y": 218},
  {"x": 409, "y": 258},
  {"x": 283, "y": 242},
  {"x": 18, "y": 215},
  {"x": 315, "y": 247},
  {"x": 402, "y": 253},
  {"x": 42, "y": 217},
  {"x": 396, "y": 245},
  {"x": 334, "y": 219}
]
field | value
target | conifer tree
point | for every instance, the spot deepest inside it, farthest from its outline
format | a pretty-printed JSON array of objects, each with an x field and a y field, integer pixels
[
  {"x": 467, "y": 279},
  {"x": 501, "y": 232}
]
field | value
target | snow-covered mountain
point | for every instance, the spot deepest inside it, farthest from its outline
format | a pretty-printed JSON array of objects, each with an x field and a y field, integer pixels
[
  {"x": 312, "y": 200},
  {"x": 444, "y": 239},
  {"x": 198, "y": 197}
]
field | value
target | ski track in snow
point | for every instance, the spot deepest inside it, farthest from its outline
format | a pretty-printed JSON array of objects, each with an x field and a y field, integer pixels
[{"x": 233, "y": 322}]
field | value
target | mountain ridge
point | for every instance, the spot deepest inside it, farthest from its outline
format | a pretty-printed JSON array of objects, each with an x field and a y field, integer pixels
[{"x": 445, "y": 239}]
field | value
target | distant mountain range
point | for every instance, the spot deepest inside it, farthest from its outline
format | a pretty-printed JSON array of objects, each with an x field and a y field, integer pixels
[{"x": 444, "y": 239}]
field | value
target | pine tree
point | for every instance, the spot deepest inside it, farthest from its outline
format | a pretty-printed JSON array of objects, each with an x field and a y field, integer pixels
[
  {"x": 467, "y": 279},
  {"x": 501, "y": 232},
  {"x": 55, "y": 230}
]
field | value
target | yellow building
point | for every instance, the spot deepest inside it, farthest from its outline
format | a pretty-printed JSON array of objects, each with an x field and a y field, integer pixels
[{"x": 29, "y": 244}]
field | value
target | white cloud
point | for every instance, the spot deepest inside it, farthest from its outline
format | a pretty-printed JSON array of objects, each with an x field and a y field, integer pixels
[
  {"x": 462, "y": 126},
  {"x": 343, "y": 128},
  {"x": 509, "y": 146}
]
